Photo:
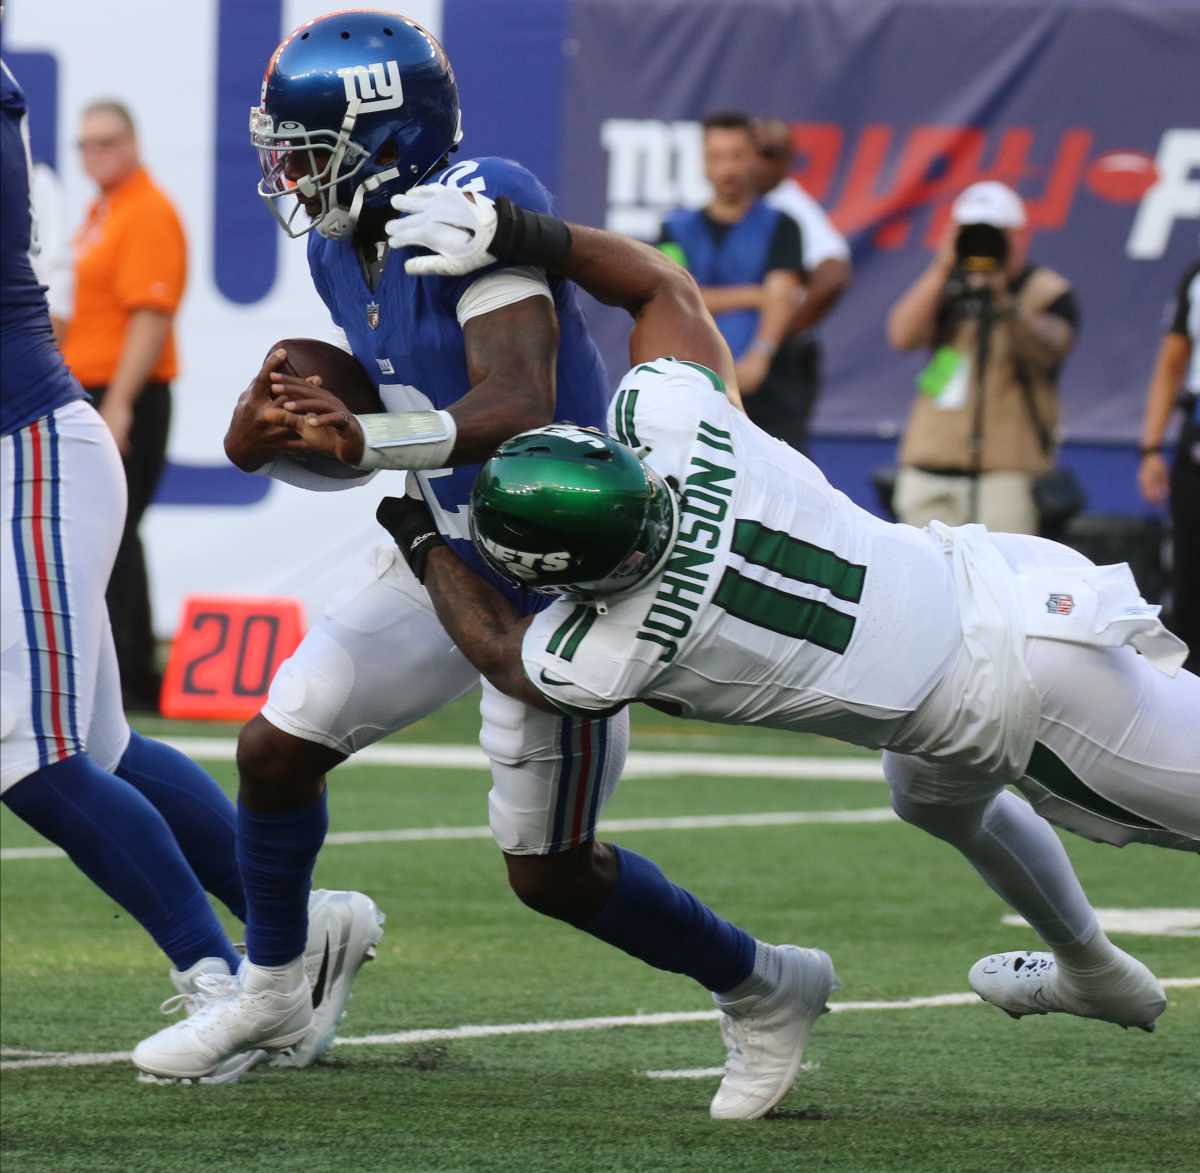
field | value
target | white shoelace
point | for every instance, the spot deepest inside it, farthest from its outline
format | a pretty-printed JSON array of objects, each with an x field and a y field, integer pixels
[
  {"x": 209, "y": 988},
  {"x": 736, "y": 1034}
]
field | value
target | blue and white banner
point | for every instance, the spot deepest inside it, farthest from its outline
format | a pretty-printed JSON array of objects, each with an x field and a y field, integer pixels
[{"x": 1091, "y": 110}]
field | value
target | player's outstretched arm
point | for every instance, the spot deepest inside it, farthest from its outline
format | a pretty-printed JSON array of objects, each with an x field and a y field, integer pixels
[
  {"x": 665, "y": 302},
  {"x": 467, "y": 232},
  {"x": 483, "y": 623},
  {"x": 486, "y": 627}
]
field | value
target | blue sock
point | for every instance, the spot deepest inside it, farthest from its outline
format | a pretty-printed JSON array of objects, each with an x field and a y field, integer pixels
[
  {"x": 199, "y": 813},
  {"x": 276, "y": 853},
  {"x": 124, "y": 846},
  {"x": 667, "y": 927}
]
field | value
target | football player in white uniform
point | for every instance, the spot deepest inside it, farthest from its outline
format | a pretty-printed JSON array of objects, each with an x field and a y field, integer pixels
[{"x": 712, "y": 572}]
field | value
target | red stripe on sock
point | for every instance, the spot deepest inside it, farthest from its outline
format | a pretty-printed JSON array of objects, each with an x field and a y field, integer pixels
[
  {"x": 585, "y": 770},
  {"x": 43, "y": 580}
]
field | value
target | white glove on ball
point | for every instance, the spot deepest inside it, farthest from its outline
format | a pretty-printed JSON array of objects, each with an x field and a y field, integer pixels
[{"x": 456, "y": 227}]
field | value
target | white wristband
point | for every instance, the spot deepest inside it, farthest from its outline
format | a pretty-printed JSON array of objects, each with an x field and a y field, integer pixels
[{"x": 407, "y": 439}]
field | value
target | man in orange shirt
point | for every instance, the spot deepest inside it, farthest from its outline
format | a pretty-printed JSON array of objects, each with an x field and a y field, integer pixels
[{"x": 130, "y": 271}]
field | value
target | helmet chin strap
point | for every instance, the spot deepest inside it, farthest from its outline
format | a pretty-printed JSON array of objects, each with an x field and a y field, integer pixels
[{"x": 339, "y": 223}]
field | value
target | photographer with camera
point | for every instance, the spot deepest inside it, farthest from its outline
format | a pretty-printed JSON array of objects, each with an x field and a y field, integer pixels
[{"x": 979, "y": 445}]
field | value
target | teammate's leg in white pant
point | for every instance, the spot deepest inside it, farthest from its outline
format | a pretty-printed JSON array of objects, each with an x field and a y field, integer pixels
[
  {"x": 1126, "y": 731},
  {"x": 1011, "y": 846},
  {"x": 551, "y": 775},
  {"x": 1110, "y": 724},
  {"x": 1021, "y": 858}
]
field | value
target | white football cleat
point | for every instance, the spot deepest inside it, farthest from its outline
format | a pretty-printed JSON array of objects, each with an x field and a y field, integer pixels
[
  {"x": 229, "y": 1016},
  {"x": 1023, "y": 982},
  {"x": 765, "y": 1034},
  {"x": 190, "y": 998},
  {"x": 344, "y": 930}
]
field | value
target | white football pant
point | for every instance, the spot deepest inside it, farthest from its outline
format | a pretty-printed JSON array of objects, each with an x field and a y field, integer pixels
[
  {"x": 379, "y": 660},
  {"x": 1117, "y": 759},
  {"x": 62, "y": 510}
]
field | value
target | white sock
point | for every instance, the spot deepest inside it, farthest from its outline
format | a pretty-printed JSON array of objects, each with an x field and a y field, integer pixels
[
  {"x": 1087, "y": 959},
  {"x": 283, "y": 978},
  {"x": 763, "y": 978}
]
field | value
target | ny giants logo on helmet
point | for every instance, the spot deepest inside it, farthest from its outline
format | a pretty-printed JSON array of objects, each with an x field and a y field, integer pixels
[
  {"x": 373, "y": 87},
  {"x": 521, "y": 563}
]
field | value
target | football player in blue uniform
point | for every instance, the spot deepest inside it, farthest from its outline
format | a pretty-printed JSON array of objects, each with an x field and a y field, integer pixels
[
  {"x": 141, "y": 821},
  {"x": 357, "y": 107}
]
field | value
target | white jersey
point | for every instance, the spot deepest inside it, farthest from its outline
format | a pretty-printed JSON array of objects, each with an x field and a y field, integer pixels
[
  {"x": 782, "y": 603},
  {"x": 819, "y": 239}
]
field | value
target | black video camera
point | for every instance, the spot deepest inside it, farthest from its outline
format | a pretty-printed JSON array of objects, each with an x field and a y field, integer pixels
[{"x": 978, "y": 249}]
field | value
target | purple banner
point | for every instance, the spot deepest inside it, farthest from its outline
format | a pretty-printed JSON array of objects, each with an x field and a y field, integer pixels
[{"x": 1090, "y": 110}]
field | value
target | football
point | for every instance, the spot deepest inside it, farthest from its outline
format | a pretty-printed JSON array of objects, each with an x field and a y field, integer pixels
[{"x": 342, "y": 375}]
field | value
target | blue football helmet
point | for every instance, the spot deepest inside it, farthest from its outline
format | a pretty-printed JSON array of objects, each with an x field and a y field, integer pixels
[{"x": 356, "y": 107}]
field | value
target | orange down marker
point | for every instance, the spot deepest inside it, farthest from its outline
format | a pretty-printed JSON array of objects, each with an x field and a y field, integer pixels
[{"x": 225, "y": 654}]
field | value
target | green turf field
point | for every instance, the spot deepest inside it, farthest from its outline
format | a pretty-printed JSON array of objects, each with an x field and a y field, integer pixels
[{"x": 956, "y": 1088}]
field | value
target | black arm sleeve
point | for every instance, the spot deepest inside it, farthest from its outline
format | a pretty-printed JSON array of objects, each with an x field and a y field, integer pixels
[
  {"x": 786, "y": 248},
  {"x": 531, "y": 238},
  {"x": 1178, "y": 323}
]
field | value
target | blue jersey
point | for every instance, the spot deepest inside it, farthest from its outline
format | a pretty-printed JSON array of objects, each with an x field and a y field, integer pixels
[
  {"x": 34, "y": 380},
  {"x": 407, "y": 335}
]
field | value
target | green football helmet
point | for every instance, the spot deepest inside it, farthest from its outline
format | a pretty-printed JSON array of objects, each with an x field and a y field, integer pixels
[{"x": 565, "y": 510}]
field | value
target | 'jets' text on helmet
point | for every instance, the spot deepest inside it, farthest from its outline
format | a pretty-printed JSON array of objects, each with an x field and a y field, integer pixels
[
  {"x": 356, "y": 107},
  {"x": 568, "y": 510}
]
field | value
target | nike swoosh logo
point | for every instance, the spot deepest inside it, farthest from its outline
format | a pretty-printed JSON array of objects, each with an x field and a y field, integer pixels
[
  {"x": 548, "y": 679},
  {"x": 318, "y": 991}
]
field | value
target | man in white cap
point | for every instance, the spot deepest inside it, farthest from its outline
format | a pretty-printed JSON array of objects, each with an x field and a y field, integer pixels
[{"x": 998, "y": 328}]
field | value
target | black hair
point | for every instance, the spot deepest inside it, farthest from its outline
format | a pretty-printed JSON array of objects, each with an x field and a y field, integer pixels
[{"x": 727, "y": 120}]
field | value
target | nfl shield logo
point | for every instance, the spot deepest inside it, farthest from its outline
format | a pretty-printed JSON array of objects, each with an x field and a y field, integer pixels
[
  {"x": 373, "y": 314},
  {"x": 1060, "y": 605}
]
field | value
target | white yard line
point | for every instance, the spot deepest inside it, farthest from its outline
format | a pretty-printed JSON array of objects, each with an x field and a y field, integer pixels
[
  {"x": 68, "y": 1059},
  {"x": 555, "y": 1026},
  {"x": 881, "y": 814},
  {"x": 704, "y": 1072},
  {"x": 688, "y": 1073},
  {"x": 645, "y": 763},
  {"x": 1145, "y": 922}
]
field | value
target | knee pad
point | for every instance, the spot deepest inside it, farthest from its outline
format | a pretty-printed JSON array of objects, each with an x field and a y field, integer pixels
[
  {"x": 932, "y": 783},
  {"x": 517, "y": 810},
  {"x": 310, "y": 690},
  {"x": 511, "y": 732}
]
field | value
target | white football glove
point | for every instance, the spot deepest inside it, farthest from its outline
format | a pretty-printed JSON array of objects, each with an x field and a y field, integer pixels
[{"x": 457, "y": 229}]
